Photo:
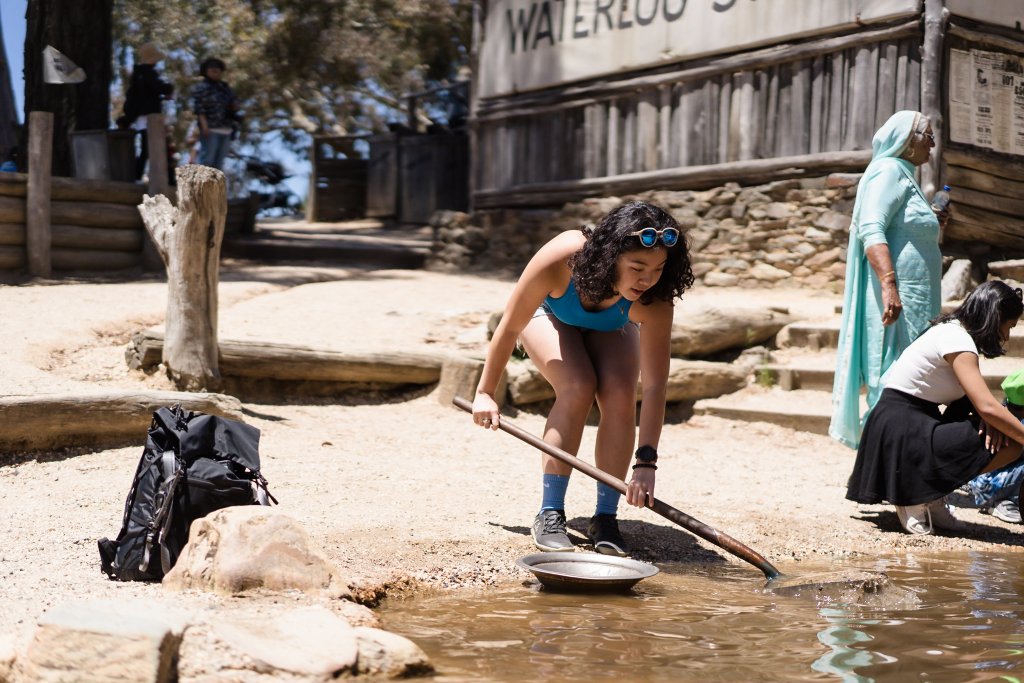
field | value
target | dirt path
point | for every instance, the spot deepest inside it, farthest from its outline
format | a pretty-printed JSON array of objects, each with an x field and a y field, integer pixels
[{"x": 403, "y": 493}]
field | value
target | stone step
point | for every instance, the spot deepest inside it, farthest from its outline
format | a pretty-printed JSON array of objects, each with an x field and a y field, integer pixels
[
  {"x": 807, "y": 411},
  {"x": 825, "y": 335},
  {"x": 817, "y": 371},
  {"x": 360, "y": 252}
]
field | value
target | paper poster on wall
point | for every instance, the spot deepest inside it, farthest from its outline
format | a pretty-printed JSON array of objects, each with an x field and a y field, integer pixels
[{"x": 986, "y": 100}]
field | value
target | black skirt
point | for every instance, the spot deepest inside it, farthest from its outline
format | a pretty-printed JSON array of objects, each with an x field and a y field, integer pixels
[{"x": 910, "y": 453}]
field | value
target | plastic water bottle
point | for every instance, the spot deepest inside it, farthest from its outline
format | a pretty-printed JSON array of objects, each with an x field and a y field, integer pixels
[{"x": 940, "y": 202}]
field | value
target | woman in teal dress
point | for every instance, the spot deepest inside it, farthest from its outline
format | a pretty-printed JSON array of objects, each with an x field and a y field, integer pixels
[{"x": 893, "y": 269}]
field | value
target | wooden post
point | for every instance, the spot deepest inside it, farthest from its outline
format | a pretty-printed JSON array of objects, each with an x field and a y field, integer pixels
[
  {"x": 156, "y": 141},
  {"x": 188, "y": 238},
  {"x": 156, "y": 134},
  {"x": 935, "y": 15},
  {"x": 37, "y": 196}
]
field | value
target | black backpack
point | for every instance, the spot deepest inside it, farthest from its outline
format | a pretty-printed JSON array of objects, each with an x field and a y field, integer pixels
[{"x": 192, "y": 465}]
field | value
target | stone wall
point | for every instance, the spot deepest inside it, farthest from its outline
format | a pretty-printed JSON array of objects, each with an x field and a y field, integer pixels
[{"x": 790, "y": 233}]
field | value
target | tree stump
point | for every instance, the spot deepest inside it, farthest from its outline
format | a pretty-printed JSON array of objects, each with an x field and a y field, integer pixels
[{"x": 188, "y": 238}]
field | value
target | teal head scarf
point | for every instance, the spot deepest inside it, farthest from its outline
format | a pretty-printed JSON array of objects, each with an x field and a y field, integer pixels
[{"x": 892, "y": 139}]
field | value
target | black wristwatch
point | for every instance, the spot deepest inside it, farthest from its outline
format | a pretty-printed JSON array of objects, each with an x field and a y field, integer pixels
[{"x": 647, "y": 455}]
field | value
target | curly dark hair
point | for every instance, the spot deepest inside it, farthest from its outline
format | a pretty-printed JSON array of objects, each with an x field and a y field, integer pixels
[
  {"x": 593, "y": 266},
  {"x": 984, "y": 311}
]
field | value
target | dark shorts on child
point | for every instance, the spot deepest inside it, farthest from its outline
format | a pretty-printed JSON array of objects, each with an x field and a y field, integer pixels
[{"x": 911, "y": 453}]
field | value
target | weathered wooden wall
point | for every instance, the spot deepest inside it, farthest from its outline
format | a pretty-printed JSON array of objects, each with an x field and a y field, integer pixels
[
  {"x": 95, "y": 224},
  {"x": 798, "y": 102},
  {"x": 988, "y": 187}
]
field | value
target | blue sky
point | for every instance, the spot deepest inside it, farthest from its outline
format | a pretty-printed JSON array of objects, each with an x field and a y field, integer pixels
[{"x": 12, "y": 15}]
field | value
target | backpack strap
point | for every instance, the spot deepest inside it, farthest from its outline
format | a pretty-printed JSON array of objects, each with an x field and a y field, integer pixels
[{"x": 161, "y": 521}]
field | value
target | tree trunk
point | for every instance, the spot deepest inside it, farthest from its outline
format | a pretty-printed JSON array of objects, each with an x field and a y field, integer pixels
[
  {"x": 82, "y": 31},
  {"x": 188, "y": 238}
]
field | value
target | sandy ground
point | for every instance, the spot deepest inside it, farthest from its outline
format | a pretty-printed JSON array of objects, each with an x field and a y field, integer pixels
[{"x": 403, "y": 493}]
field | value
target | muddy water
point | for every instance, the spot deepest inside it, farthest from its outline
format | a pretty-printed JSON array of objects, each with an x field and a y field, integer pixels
[{"x": 956, "y": 617}]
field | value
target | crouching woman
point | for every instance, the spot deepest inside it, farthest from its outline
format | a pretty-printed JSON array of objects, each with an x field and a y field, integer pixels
[{"x": 911, "y": 453}]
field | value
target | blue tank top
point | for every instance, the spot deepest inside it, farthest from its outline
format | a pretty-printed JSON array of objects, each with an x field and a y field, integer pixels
[{"x": 570, "y": 311}]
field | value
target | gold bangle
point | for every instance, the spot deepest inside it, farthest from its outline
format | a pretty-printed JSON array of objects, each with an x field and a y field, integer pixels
[{"x": 886, "y": 276}]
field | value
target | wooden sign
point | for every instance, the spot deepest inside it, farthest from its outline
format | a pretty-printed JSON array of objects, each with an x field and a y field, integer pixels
[{"x": 530, "y": 44}]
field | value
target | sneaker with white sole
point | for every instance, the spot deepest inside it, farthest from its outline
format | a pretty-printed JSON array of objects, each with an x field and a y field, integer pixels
[
  {"x": 1006, "y": 510},
  {"x": 942, "y": 518},
  {"x": 915, "y": 519},
  {"x": 549, "y": 533},
  {"x": 604, "y": 534}
]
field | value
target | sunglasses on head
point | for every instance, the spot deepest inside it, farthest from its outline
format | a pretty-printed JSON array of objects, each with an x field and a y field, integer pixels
[{"x": 649, "y": 236}]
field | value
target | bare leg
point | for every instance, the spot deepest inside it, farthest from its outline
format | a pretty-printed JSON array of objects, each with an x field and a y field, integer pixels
[
  {"x": 617, "y": 362},
  {"x": 560, "y": 355},
  {"x": 1004, "y": 457}
]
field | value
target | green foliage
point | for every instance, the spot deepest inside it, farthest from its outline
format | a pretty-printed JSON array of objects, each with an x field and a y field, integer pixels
[{"x": 301, "y": 67}]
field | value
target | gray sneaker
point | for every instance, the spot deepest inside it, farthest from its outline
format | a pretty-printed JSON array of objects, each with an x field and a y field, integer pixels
[
  {"x": 1006, "y": 510},
  {"x": 549, "y": 531}
]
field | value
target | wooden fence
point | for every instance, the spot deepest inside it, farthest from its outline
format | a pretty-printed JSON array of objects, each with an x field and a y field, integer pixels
[
  {"x": 803, "y": 104},
  {"x": 337, "y": 188}
]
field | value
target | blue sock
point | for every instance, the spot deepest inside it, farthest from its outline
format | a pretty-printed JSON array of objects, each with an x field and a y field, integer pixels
[
  {"x": 607, "y": 500},
  {"x": 554, "y": 492}
]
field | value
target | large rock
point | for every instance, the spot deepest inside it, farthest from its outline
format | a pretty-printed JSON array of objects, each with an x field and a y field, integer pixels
[
  {"x": 312, "y": 642},
  {"x": 382, "y": 653},
  {"x": 711, "y": 330},
  {"x": 250, "y": 547},
  {"x": 106, "y": 640},
  {"x": 956, "y": 283},
  {"x": 1007, "y": 270},
  {"x": 688, "y": 380}
]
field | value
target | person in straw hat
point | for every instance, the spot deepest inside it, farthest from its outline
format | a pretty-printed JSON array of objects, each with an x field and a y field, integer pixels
[{"x": 145, "y": 95}]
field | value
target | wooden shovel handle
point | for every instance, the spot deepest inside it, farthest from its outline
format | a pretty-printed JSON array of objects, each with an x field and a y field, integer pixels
[{"x": 709, "y": 534}]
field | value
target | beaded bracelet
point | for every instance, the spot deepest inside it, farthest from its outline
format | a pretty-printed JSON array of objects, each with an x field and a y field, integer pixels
[{"x": 650, "y": 465}]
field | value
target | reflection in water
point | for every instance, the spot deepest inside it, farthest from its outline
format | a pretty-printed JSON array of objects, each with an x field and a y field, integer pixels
[{"x": 966, "y": 622}]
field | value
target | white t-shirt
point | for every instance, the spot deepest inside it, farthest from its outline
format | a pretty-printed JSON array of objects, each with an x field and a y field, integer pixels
[{"x": 922, "y": 371}]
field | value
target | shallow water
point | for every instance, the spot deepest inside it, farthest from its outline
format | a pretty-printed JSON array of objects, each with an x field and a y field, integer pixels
[{"x": 955, "y": 617}]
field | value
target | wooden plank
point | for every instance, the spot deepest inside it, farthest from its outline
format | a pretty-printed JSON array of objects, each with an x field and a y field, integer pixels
[
  {"x": 647, "y": 128},
  {"x": 682, "y": 178},
  {"x": 12, "y": 210},
  {"x": 771, "y": 110},
  {"x": 721, "y": 151},
  {"x": 786, "y": 139},
  {"x": 12, "y": 258},
  {"x": 95, "y": 260},
  {"x": 629, "y": 136},
  {"x": 816, "y": 123},
  {"x": 37, "y": 197},
  {"x": 77, "y": 189},
  {"x": 980, "y": 181},
  {"x": 862, "y": 99},
  {"x": 979, "y": 225},
  {"x": 801, "y": 107},
  {"x": 103, "y": 239},
  {"x": 836, "y": 102},
  {"x": 1011, "y": 206},
  {"x": 999, "y": 165},
  {"x": 613, "y": 167},
  {"x": 760, "y": 102},
  {"x": 885, "y": 103},
  {"x": 12, "y": 234},
  {"x": 899, "y": 83},
  {"x": 664, "y": 126},
  {"x": 95, "y": 419},
  {"x": 96, "y": 214}
]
